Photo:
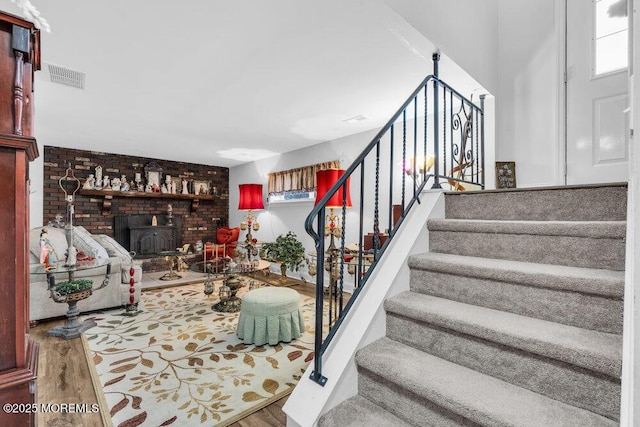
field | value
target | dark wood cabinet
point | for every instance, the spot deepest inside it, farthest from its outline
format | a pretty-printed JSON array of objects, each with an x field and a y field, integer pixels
[
  {"x": 19, "y": 58},
  {"x": 147, "y": 240}
]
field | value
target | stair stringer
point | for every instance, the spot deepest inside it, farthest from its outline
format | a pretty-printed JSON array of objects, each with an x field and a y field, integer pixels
[
  {"x": 366, "y": 322},
  {"x": 630, "y": 396}
]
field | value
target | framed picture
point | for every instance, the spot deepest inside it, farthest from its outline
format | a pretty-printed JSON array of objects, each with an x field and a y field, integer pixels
[
  {"x": 201, "y": 187},
  {"x": 153, "y": 174},
  {"x": 505, "y": 174}
]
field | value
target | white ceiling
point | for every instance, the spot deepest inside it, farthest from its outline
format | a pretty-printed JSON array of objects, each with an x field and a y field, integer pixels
[{"x": 224, "y": 82}]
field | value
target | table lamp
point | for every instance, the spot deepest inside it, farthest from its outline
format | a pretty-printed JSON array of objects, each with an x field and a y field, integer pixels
[
  {"x": 69, "y": 185},
  {"x": 325, "y": 179},
  {"x": 250, "y": 199}
]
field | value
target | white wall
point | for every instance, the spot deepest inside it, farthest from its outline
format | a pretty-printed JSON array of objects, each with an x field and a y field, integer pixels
[
  {"x": 465, "y": 30},
  {"x": 527, "y": 101},
  {"x": 510, "y": 48}
]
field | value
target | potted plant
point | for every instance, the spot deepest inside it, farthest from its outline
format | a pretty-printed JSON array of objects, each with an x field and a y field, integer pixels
[
  {"x": 286, "y": 250},
  {"x": 73, "y": 290}
]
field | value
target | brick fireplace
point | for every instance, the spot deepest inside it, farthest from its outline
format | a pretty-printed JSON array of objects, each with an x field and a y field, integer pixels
[{"x": 192, "y": 221}]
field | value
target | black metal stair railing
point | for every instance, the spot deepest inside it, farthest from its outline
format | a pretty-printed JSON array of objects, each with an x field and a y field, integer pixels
[{"x": 436, "y": 137}]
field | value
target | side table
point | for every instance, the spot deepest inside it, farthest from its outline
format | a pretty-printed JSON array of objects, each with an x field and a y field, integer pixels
[
  {"x": 72, "y": 328},
  {"x": 172, "y": 258}
]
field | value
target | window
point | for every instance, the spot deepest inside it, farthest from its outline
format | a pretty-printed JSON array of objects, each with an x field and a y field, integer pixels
[
  {"x": 297, "y": 184},
  {"x": 610, "y": 40}
]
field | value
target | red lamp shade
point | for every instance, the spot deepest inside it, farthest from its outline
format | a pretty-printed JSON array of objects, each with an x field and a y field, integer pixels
[
  {"x": 250, "y": 197},
  {"x": 325, "y": 179}
]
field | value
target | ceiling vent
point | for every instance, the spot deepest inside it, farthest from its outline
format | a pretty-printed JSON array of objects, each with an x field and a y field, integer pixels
[
  {"x": 355, "y": 119},
  {"x": 65, "y": 76}
]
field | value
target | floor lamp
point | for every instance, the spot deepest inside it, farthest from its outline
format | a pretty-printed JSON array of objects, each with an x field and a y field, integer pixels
[
  {"x": 250, "y": 199},
  {"x": 325, "y": 179}
]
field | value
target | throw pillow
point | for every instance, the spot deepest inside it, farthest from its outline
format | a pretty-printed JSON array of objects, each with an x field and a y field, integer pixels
[
  {"x": 224, "y": 235},
  {"x": 235, "y": 234},
  {"x": 113, "y": 248},
  {"x": 84, "y": 242}
]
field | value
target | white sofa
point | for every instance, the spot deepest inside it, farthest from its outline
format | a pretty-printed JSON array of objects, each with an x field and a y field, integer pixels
[{"x": 102, "y": 247}]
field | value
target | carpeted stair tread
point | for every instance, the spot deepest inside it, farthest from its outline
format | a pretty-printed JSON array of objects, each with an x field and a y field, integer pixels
[
  {"x": 358, "y": 411},
  {"x": 596, "y": 351},
  {"x": 592, "y": 229},
  {"x": 477, "y": 397},
  {"x": 608, "y": 283},
  {"x": 589, "y": 244},
  {"x": 577, "y": 296},
  {"x": 568, "y": 203}
]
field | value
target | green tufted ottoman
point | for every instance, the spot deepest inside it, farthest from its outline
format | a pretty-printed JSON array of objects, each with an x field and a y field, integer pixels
[{"x": 270, "y": 315}]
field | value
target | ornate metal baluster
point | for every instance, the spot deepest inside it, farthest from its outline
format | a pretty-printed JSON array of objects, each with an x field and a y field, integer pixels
[
  {"x": 436, "y": 136},
  {"x": 342, "y": 236},
  {"x": 376, "y": 217},
  {"x": 424, "y": 174},
  {"x": 482, "y": 98},
  {"x": 404, "y": 150},
  {"x": 444, "y": 130},
  {"x": 361, "y": 231},
  {"x": 415, "y": 145},
  {"x": 391, "y": 173}
]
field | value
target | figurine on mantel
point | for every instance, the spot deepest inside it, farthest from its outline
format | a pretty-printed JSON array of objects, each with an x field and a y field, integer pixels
[
  {"x": 115, "y": 184},
  {"x": 89, "y": 183},
  {"x": 139, "y": 182},
  {"x": 185, "y": 188},
  {"x": 106, "y": 184},
  {"x": 125, "y": 184},
  {"x": 98, "y": 183}
]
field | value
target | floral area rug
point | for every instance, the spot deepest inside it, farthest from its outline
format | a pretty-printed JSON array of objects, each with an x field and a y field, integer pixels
[{"x": 179, "y": 363}]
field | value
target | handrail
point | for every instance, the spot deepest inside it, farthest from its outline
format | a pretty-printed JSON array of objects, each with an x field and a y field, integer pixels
[{"x": 458, "y": 152}]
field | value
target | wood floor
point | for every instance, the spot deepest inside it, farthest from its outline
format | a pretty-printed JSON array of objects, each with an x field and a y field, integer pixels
[{"x": 63, "y": 377}]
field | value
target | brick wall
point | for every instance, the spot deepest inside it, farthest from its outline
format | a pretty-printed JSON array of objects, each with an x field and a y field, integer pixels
[{"x": 88, "y": 209}]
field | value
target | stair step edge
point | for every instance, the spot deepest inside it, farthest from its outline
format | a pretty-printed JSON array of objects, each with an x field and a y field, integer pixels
[
  {"x": 358, "y": 411},
  {"x": 591, "y": 229},
  {"x": 570, "y": 203},
  {"x": 545, "y": 188},
  {"x": 593, "y": 350},
  {"x": 473, "y": 395},
  {"x": 607, "y": 283}
]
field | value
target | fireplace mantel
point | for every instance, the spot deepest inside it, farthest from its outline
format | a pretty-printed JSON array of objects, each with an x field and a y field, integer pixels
[{"x": 108, "y": 195}]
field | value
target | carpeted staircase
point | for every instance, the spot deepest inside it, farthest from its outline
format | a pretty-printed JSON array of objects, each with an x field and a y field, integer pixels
[{"x": 514, "y": 317}]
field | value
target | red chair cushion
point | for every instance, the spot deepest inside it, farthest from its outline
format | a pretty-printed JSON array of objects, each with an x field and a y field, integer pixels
[
  {"x": 226, "y": 238},
  {"x": 235, "y": 234},
  {"x": 223, "y": 235},
  {"x": 227, "y": 235}
]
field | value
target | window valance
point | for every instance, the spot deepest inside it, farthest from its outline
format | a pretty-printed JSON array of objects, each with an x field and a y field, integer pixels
[{"x": 299, "y": 179}]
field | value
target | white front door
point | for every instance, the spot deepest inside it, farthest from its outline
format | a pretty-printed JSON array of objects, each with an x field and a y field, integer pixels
[{"x": 597, "y": 92}]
